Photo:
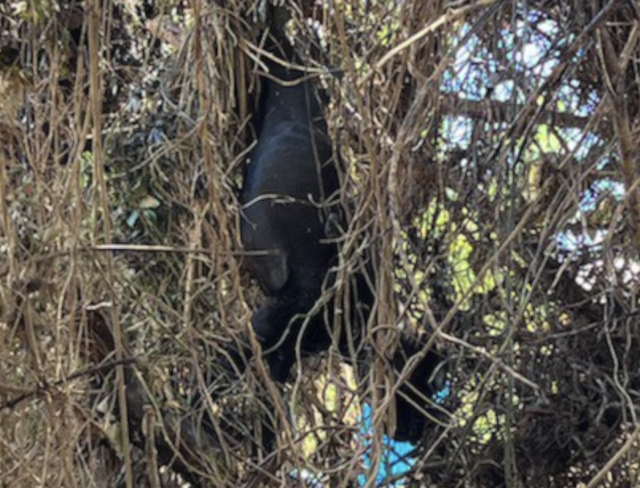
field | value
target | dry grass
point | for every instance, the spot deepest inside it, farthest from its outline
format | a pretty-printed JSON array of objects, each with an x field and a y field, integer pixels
[{"x": 119, "y": 168}]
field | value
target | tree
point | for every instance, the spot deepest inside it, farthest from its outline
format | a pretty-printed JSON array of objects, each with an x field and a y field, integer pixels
[{"x": 491, "y": 174}]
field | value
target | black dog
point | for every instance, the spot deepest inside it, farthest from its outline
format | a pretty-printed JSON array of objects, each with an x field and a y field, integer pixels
[
  {"x": 289, "y": 199},
  {"x": 288, "y": 184}
]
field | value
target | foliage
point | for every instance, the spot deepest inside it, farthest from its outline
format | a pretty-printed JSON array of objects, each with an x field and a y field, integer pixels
[{"x": 491, "y": 172}]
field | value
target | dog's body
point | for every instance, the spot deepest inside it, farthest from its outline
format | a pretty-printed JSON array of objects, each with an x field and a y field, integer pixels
[
  {"x": 289, "y": 196},
  {"x": 288, "y": 184}
]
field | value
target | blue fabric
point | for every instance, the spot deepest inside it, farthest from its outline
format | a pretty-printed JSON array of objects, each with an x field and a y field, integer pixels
[{"x": 395, "y": 460}]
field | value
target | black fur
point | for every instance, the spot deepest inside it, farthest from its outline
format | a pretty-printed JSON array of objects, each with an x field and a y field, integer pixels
[
  {"x": 289, "y": 181},
  {"x": 410, "y": 421},
  {"x": 289, "y": 199}
]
